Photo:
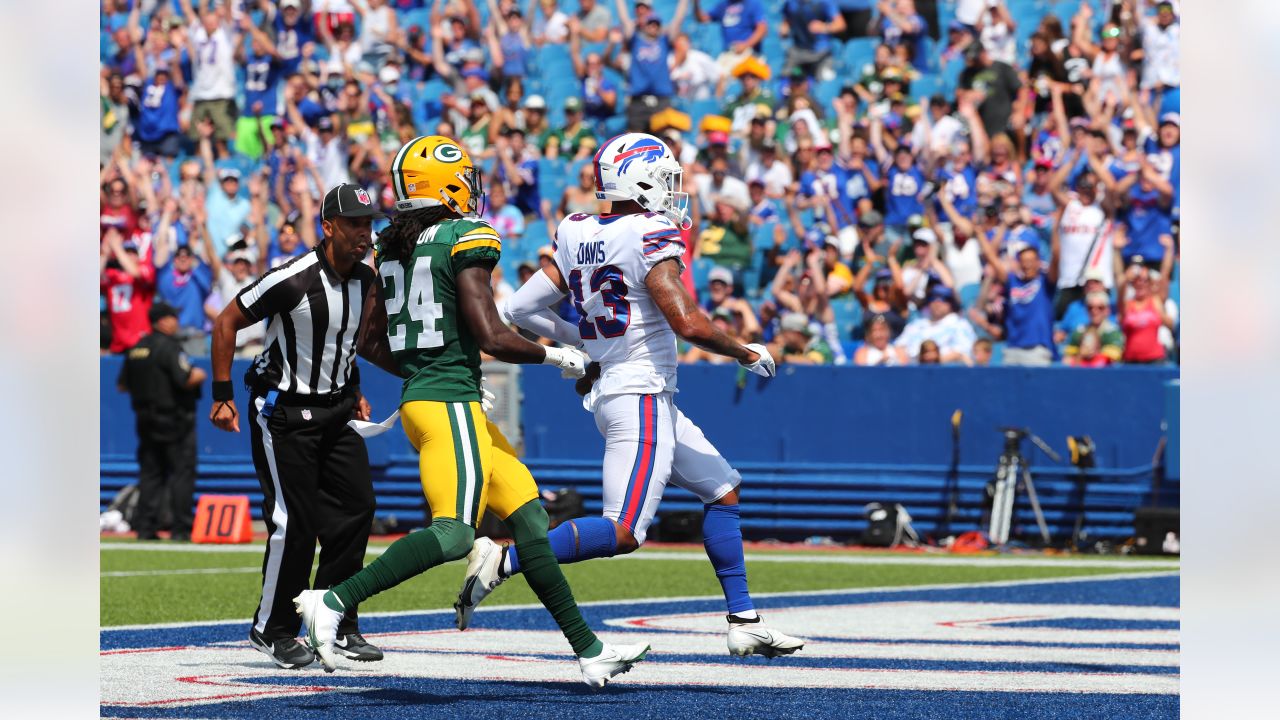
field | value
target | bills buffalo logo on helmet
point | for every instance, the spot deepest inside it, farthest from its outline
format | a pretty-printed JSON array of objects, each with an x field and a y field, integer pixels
[{"x": 644, "y": 150}]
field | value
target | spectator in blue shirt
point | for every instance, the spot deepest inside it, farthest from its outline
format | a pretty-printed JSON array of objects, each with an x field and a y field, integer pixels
[
  {"x": 261, "y": 90},
  {"x": 903, "y": 30},
  {"x": 157, "y": 128},
  {"x": 1147, "y": 215},
  {"x": 227, "y": 211},
  {"x": 811, "y": 23},
  {"x": 903, "y": 183},
  {"x": 183, "y": 281},
  {"x": 649, "y": 75},
  {"x": 743, "y": 24},
  {"x": 599, "y": 94},
  {"x": 292, "y": 36},
  {"x": 1028, "y": 316}
]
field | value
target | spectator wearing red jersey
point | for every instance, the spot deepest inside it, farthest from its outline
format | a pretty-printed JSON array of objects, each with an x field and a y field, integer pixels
[
  {"x": 129, "y": 283},
  {"x": 117, "y": 209}
]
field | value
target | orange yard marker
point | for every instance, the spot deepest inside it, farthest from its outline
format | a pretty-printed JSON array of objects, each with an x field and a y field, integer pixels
[{"x": 222, "y": 519}]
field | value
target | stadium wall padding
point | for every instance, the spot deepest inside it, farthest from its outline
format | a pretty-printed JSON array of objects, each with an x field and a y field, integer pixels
[{"x": 814, "y": 445}]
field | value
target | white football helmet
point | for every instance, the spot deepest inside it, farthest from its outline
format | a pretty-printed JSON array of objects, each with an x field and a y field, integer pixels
[{"x": 640, "y": 167}]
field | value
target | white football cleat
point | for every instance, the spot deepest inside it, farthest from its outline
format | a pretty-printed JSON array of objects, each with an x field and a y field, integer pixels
[
  {"x": 484, "y": 573},
  {"x": 613, "y": 660},
  {"x": 322, "y": 625},
  {"x": 751, "y": 637}
]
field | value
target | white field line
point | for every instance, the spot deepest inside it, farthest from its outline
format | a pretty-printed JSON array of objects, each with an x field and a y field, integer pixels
[
  {"x": 816, "y": 558},
  {"x": 687, "y": 598}
]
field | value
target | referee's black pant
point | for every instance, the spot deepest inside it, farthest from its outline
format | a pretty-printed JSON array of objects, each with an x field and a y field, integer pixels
[{"x": 314, "y": 471}]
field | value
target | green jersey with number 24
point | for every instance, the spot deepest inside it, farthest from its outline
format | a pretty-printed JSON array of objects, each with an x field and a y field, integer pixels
[{"x": 432, "y": 345}]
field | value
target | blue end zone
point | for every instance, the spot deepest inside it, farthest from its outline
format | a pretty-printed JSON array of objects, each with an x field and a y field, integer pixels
[{"x": 396, "y": 697}]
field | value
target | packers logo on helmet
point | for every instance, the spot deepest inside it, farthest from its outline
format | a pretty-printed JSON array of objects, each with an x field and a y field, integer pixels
[
  {"x": 432, "y": 171},
  {"x": 447, "y": 152}
]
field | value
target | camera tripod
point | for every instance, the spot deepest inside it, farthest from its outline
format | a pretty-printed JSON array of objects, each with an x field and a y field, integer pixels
[{"x": 1012, "y": 468}]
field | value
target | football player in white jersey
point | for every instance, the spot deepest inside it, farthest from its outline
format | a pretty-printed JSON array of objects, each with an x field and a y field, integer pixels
[{"x": 622, "y": 270}]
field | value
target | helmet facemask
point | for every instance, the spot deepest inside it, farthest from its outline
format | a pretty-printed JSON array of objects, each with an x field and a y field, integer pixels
[
  {"x": 668, "y": 198},
  {"x": 472, "y": 179}
]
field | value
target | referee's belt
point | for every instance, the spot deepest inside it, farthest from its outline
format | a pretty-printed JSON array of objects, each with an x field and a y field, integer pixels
[{"x": 273, "y": 398}]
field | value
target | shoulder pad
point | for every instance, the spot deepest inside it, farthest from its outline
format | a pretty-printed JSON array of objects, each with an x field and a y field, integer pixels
[{"x": 471, "y": 229}]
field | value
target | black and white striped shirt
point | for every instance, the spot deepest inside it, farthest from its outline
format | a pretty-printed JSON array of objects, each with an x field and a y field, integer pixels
[{"x": 313, "y": 319}]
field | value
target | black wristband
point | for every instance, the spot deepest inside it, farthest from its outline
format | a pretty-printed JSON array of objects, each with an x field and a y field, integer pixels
[{"x": 223, "y": 391}]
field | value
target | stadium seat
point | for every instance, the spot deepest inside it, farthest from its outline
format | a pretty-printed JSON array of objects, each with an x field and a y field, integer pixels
[{"x": 701, "y": 269}]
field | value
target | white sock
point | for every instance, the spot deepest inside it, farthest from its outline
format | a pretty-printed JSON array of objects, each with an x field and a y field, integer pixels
[{"x": 746, "y": 614}]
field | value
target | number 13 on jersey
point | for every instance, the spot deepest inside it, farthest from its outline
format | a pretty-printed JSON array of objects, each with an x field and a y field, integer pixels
[{"x": 609, "y": 282}]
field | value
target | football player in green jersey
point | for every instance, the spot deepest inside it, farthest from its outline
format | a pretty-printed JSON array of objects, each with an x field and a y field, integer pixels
[{"x": 434, "y": 265}]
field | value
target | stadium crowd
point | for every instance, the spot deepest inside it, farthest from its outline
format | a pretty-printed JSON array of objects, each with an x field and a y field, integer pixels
[{"x": 872, "y": 182}]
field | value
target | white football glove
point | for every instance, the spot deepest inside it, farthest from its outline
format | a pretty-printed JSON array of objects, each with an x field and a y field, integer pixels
[
  {"x": 572, "y": 363},
  {"x": 764, "y": 365},
  {"x": 486, "y": 397}
]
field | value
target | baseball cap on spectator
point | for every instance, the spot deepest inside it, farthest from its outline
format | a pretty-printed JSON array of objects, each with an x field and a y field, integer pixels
[
  {"x": 228, "y": 173},
  {"x": 718, "y": 137},
  {"x": 546, "y": 251},
  {"x": 893, "y": 121},
  {"x": 1095, "y": 273},
  {"x": 653, "y": 19},
  {"x": 161, "y": 310},
  {"x": 734, "y": 201},
  {"x": 673, "y": 135},
  {"x": 526, "y": 265},
  {"x": 388, "y": 75},
  {"x": 535, "y": 102},
  {"x": 475, "y": 72},
  {"x": 1079, "y": 122},
  {"x": 290, "y": 3},
  {"x": 1044, "y": 162},
  {"x": 670, "y": 118},
  {"x": 349, "y": 201},
  {"x": 722, "y": 313},
  {"x": 752, "y": 66},
  {"x": 715, "y": 123},
  {"x": 183, "y": 250},
  {"x": 870, "y": 218},
  {"x": 1171, "y": 118},
  {"x": 572, "y": 104},
  {"x": 883, "y": 275},
  {"x": 957, "y": 26},
  {"x": 646, "y": 3},
  {"x": 324, "y": 124},
  {"x": 720, "y": 273},
  {"x": 795, "y": 322},
  {"x": 237, "y": 256},
  {"x": 925, "y": 235},
  {"x": 944, "y": 293},
  {"x": 915, "y": 222}
]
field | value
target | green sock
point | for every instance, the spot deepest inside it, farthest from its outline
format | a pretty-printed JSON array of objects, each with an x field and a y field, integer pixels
[
  {"x": 542, "y": 572},
  {"x": 415, "y": 553}
]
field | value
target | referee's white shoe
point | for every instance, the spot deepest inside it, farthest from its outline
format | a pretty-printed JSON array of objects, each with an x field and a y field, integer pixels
[
  {"x": 322, "y": 625},
  {"x": 612, "y": 660},
  {"x": 484, "y": 574},
  {"x": 749, "y": 636}
]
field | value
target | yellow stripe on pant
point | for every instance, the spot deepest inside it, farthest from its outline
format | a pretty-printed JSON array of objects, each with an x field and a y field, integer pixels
[{"x": 465, "y": 462}]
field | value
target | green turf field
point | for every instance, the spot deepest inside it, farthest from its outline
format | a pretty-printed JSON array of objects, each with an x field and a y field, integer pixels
[{"x": 155, "y": 586}]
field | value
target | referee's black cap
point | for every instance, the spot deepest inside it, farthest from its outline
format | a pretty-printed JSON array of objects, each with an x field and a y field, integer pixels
[
  {"x": 161, "y": 310},
  {"x": 347, "y": 200}
]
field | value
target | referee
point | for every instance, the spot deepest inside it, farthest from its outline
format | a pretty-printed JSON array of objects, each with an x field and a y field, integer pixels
[{"x": 303, "y": 388}]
